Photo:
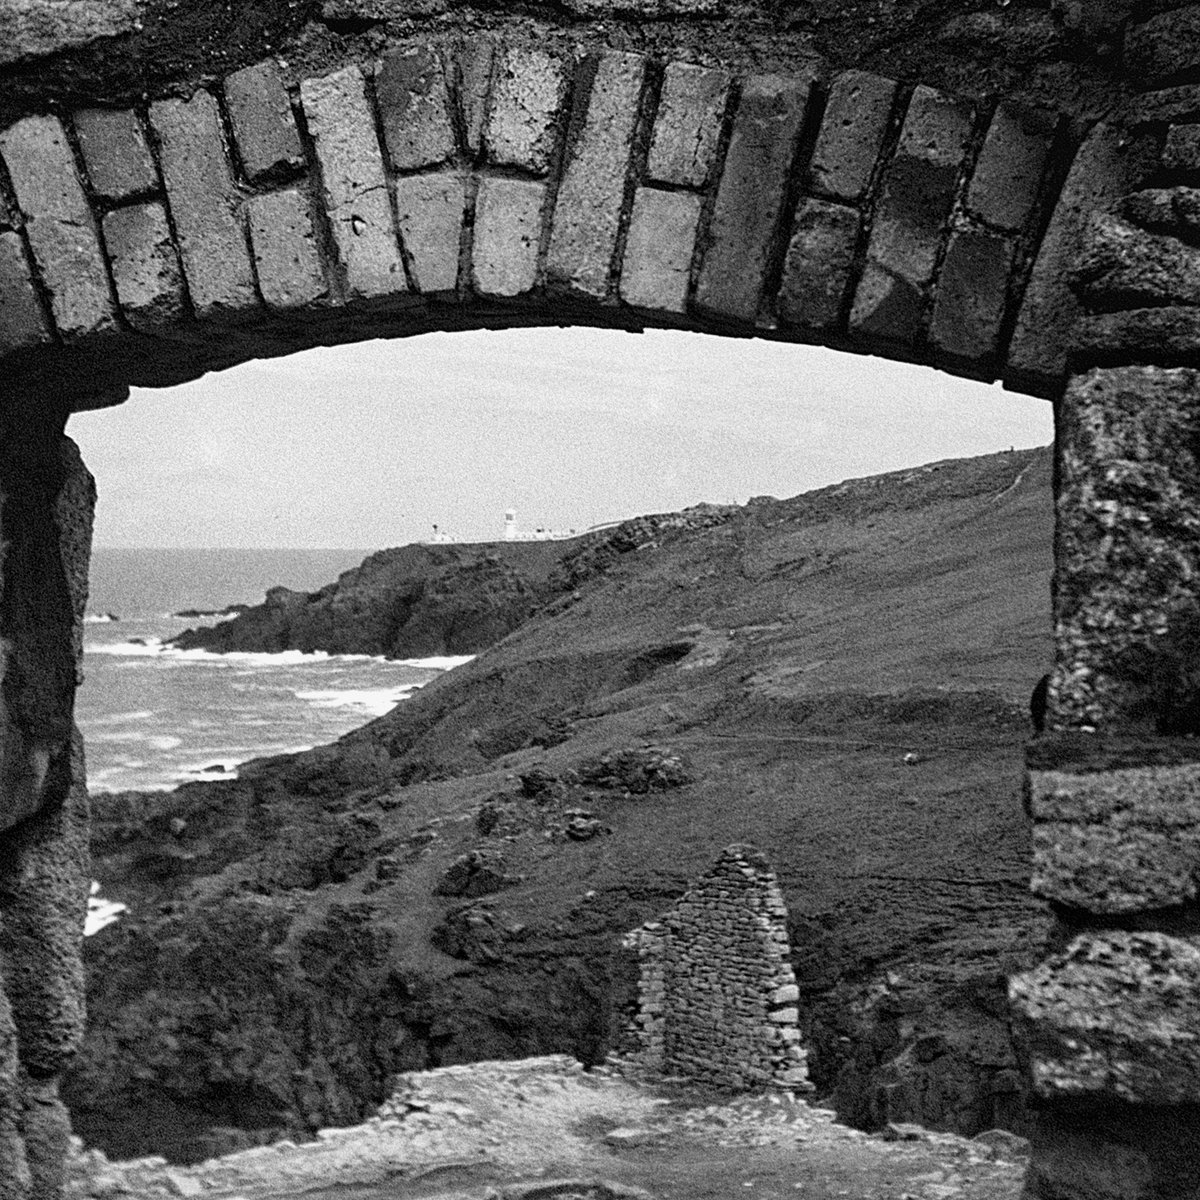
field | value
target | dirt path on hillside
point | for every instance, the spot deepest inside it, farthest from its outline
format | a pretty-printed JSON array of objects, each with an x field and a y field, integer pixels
[{"x": 544, "y": 1127}]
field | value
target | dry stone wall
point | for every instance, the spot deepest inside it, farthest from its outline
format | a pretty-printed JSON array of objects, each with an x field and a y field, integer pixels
[
  {"x": 469, "y": 182},
  {"x": 717, "y": 998}
]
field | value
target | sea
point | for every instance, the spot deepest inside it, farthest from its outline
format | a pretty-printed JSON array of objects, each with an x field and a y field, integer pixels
[{"x": 154, "y": 717}]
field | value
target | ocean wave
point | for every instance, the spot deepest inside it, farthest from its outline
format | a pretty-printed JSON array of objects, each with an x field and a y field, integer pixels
[
  {"x": 100, "y": 912},
  {"x": 375, "y": 701},
  {"x": 152, "y": 647},
  {"x": 142, "y": 714},
  {"x": 446, "y": 662},
  {"x": 106, "y": 618}
]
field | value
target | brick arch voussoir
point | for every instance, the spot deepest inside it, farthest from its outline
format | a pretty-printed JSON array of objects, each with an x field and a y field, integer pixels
[{"x": 477, "y": 183}]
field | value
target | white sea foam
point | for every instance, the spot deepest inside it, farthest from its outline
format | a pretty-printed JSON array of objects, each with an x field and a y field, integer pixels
[
  {"x": 375, "y": 701},
  {"x": 446, "y": 662},
  {"x": 154, "y": 648},
  {"x": 122, "y": 718},
  {"x": 100, "y": 912},
  {"x": 99, "y": 619}
]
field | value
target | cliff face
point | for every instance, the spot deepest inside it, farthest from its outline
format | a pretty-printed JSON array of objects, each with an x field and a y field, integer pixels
[
  {"x": 841, "y": 679},
  {"x": 410, "y": 602},
  {"x": 421, "y": 601}
]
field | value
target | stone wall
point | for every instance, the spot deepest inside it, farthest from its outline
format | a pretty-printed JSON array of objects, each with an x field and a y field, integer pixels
[
  {"x": 46, "y": 501},
  {"x": 717, "y": 998},
  {"x": 1113, "y": 1019}
]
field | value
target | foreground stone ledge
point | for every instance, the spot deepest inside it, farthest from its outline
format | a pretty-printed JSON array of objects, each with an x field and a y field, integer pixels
[
  {"x": 1117, "y": 1015},
  {"x": 1116, "y": 841}
]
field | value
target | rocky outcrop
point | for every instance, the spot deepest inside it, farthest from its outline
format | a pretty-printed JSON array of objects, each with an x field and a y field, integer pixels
[{"x": 421, "y": 601}]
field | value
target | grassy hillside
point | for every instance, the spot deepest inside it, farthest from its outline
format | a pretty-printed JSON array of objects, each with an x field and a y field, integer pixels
[{"x": 841, "y": 678}]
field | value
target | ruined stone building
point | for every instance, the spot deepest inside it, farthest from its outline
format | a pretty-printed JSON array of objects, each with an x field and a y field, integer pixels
[{"x": 716, "y": 995}]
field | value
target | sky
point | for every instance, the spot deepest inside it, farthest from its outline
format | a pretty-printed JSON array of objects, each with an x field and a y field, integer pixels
[{"x": 370, "y": 445}]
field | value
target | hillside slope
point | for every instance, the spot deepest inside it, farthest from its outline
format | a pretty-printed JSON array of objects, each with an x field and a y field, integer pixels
[{"x": 841, "y": 679}]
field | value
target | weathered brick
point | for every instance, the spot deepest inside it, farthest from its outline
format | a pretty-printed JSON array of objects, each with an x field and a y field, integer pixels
[
  {"x": 688, "y": 124},
  {"x": 1169, "y": 333},
  {"x": 115, "y": 152},
  {"x": 263, "y": 125},
  {"x": 1009, "y": 170},
  {"x": 588, "y": 208},
  {"x": 1116, "y": 841},
  {"x": 21, "y": 319},
  {"x": 658, "y": 250},
  {"x": 1181, "y": 150},
  {"x": 59, "y": 224},
  {"x": 285, "y": 249},
  {"x": 851, "y": 136},
  {"x": 1110, "y": 164},
  {"x": 816, "y": 272},
  {"x": 204, "y": 203},
  {"x": 1123, "y": 266},
  {"x": 355, "y": 189},
  {"x": 1128, "y": 550},
  {"x": 916, "y": 197},
  {"x": 1167, "y": 44},
  {"x": 971, "y": 296},
  {"x": 144, "y": 264},
  {"x": 508, "y": 226},
  {"x": 750, "y": 195},
  {"x": 475, "y": 59},
  {"x": 528, "y": 88},
  {"x": 1167, "y": 104},
  {"x": 1114, "y": 1016},
  {"x": 430, "y": 211},
  {"x": 414, "y": 107}
]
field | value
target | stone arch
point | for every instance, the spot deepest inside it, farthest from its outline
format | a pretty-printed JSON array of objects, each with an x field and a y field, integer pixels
[
  {"x": 249, "y": 205},
  {"x": 476, "y": 182}
]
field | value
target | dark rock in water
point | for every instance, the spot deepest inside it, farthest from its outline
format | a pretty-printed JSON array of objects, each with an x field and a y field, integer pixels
[{"x": 228, "y": 611}]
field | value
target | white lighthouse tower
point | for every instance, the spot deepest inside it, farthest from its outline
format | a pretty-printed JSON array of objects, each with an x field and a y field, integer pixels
[{"x": 510, "y": 525}]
